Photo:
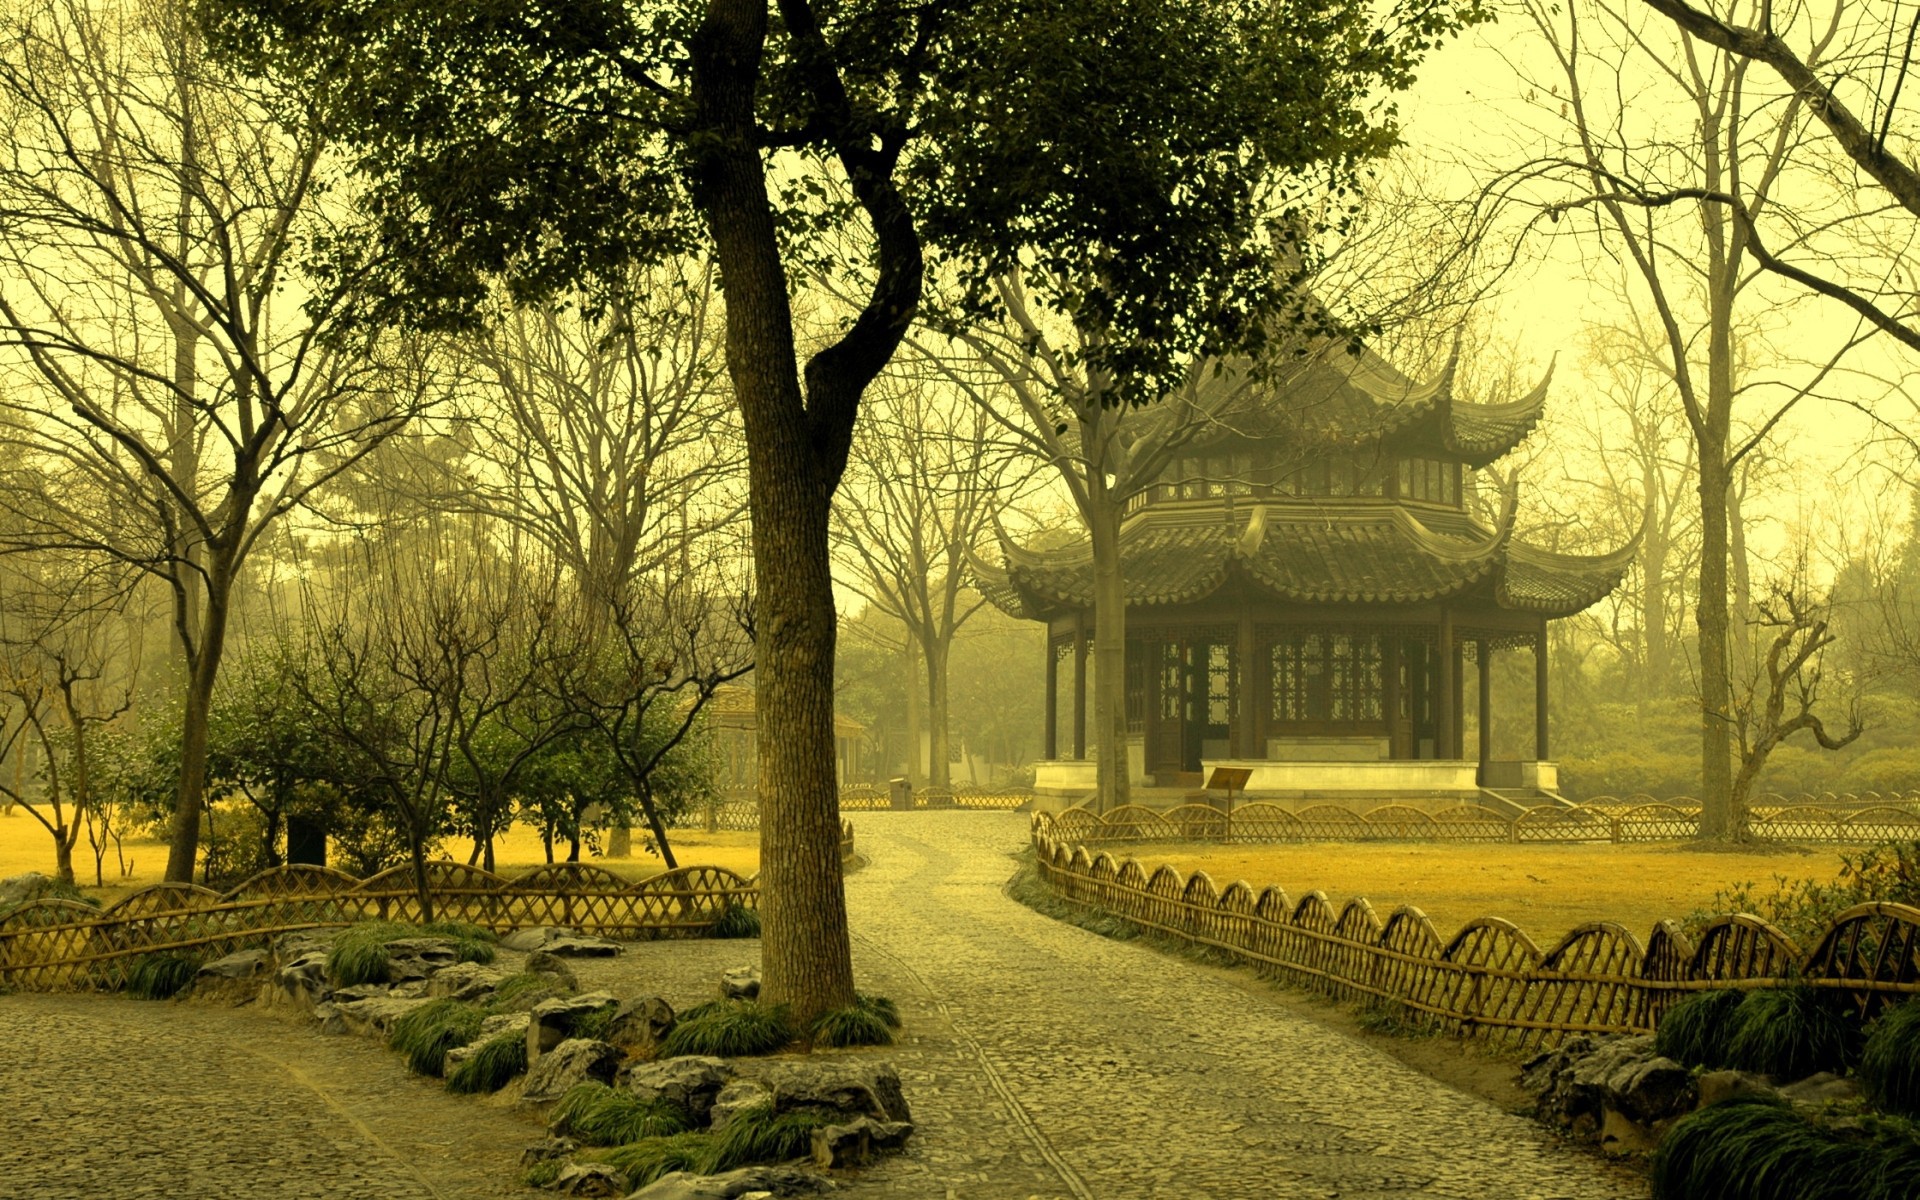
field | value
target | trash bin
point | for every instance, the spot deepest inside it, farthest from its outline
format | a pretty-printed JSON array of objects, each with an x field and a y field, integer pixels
[{"x": 901, "y": 792}]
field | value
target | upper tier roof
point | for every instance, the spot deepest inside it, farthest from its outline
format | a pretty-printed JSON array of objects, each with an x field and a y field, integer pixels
[
  {"x": 1371, "y": 554},
  {"x": 1333, "y": 396}
]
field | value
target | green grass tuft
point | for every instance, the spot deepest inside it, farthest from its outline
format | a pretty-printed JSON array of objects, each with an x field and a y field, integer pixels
[
  {"x": 596, "y": 1023},
  {"x": 855, "y": 1025},
  {"x": 513, "y": 987},
  {"x": 1694, "y": 1032},
  {"x": 543, "y": 1173},
  {"x": 728, "y": 1029},
  {"x": 428, "y": 1032},
  {"x": 737, "y": 921},
  {"x": 880, "y": 1006},
  {"x": 1758, "y": 1150},
  {"x": 1788, "y": 1033},
  {"x": 492, "y": 1066},
  {"x": 603, "y": 1116},
  {"x": 471, "y": 943},
  {"x": 758, "y": 1135},
  {"x": 160, "y": 976},
  {"x": 1890, "y": 1063},
  {"x": 644, "y": 1161},
  {"x": 359, "y": 954}
]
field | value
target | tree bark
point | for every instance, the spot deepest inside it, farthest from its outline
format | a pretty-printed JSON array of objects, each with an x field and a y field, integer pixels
[
  {"x": 1717, "y": 817},
  {"x": 191, "y": 791},
  {"x": 1109, "y": 650},
  {"x": 939, "y": 768},
  {"x": 916, "y": 776}
]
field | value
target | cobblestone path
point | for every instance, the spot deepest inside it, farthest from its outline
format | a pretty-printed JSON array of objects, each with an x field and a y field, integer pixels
[
  {"x": 1044, "y": 1061},
  {"x": 113, "y": 1098}
]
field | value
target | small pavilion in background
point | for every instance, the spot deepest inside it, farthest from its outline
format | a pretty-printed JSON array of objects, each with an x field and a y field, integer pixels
[{"x": 1306, "y": 594}]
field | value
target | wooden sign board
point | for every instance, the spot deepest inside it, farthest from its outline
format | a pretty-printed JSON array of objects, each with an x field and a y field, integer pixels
[{"x": 1229, "y": 779}]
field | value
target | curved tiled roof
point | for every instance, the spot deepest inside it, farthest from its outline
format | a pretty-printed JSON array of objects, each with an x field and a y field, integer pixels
[{"x": 1373, "y": 554}]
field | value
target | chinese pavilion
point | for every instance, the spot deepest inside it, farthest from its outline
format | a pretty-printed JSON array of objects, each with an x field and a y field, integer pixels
[{"x": 1305, "y": 591}]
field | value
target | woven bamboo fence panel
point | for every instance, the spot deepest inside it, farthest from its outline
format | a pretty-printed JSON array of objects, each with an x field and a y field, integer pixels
[
  {"x": 49, "y": 944},
  {"x": 1837, "y": 820},
  {"x": 1490, "y": 979}
]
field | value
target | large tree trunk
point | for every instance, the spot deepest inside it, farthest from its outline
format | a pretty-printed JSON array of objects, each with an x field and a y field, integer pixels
[
  {"x": 1718, "y": 819},
  {"x": 910, "y": 663},
  {"x": 806, "y": 955},
  {"x": 1109, "y": 730}
]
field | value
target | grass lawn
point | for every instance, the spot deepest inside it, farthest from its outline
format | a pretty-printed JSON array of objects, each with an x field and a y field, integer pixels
[
  {"x": 25, "y": 845},
  {"x": 1546, "y": 890}
]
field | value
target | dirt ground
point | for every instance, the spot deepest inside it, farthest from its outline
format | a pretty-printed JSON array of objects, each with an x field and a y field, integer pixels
[
  {"x": 25, "y": 845},
  {"x": 1546, "y": 890}
]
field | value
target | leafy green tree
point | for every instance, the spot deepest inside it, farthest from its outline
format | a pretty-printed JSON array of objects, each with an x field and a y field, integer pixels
[{"x": 1140, "y": 148}]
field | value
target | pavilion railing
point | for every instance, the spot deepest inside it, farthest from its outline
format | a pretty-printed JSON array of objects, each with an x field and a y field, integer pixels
[
  {"x": 1489, "y": 979},
  {"x": 1262, "y": 821}
]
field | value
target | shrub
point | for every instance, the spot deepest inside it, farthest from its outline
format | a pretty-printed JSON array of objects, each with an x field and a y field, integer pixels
[
  {"x": 1764, "y": 1150},
  {"x": 160, "y": 976},
  {"x": 428, "y": 1032},
  {"x": 646, "y": 1160},
  {"x": 759, "y": 1135},
  {"x": 736, "y": 921},
  {"x": 728, "y": 1029},
  {"x": 1694, "y": 1032},
  {"x": 492, "y": 1066},
  {"x": 1890, "y": 1063},
  {"x": 881, "y": 1007},
  {"x": 1789, "y": 1033},
  {"x": 602, "y": 1116},
  {"x": 855, "y": 1025},
  {"x": 1804, "y": 908},
  {"x": 513, "y": 987},
  {"x": 1756, "y": 1150}
]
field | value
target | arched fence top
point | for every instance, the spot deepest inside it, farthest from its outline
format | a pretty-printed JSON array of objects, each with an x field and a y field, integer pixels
[
  {"x": 441, "y": 874},
  {"x": 162, "y": 898},
  {"x": 1597, "y": 946},
  {"x": 292, "y": 879},
  {"x": 1492, "y": 941},
  {"x": 568, "y": 877}
]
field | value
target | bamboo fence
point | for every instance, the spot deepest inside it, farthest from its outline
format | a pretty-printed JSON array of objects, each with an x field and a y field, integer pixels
[{"x": 1490, "y": 979}]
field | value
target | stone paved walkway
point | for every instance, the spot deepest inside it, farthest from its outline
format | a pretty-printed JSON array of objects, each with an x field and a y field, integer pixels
[
  {"x": 106, "y": 1098},
  {"x": 1040, "y": 1060},
  {"x": 1043, "y": 1060}
]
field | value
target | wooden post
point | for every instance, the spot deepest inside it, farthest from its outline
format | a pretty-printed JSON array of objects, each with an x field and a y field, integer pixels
[
  {"x": 1247, "y": 731},
  {"x": 1445, "y": 716},
  {"x": 1540, "y": 695},
  {"x": 1484, "y": 658},
  {"x": 1052, "y": 741},
  {"x": 1079, "y": 685}
]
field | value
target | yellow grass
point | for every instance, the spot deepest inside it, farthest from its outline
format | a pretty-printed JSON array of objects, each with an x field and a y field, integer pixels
[
  {"x": 1546, "y": 890},
  {"x": 25, "y": 845}
]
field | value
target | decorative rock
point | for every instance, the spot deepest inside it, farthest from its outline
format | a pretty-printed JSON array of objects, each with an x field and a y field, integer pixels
[
  {"x": 417, "y": 958},
  {"x": 856, "y": 1143},
  {"x": 374, "y": 1017},
  {"x": 735, "y": 1098},
  {"x": 234, "y": 979},
  {"x": 572, "y": 1062},
  {"x": 1584, "y": 1079},
  {"x": 546, "y": 1151},
  {"x": 693, "y": 1082},
  {"x": 465, "y": 981},
  {"x": 362, "y": 991},
  {"x": 289, "y": 946},
  {"x": 1620, "y": 1134},
  {"x": 302, "y": 981},
  {"x": 1822, "y": 1089},
  {"x": 641, "y": 1025},
  {"x": 854, "y": 1087},
  {"x": 589, "y": 1179},
  {"x": 1650, "y": 1089},
  {"x": 331, "y": 1022},
  {"x": 1718, "y": 1087},
  {"x": 23, "y": 888},
  {"x": 553, "y": 1021},
  {"x": 554, "y": 967},
  {"x": 582, "y": 946},
  {"x": 740, "y": 983},
  {"x": 733, "y": 1185},
  {"x": 526, "y": 941}
]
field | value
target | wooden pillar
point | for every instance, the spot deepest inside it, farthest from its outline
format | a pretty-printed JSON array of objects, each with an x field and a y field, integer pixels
[
  {"x": 1246, "y": 733},
  {"x": 1484, "y": 659},
  {"x": 1459, "y": 700},
  {"x": 1540, "y": 695},
  {"x": 1079, "y": 685},
  {"x": 1445, "y": 715},
  {"x": 1052, "y": 743}
]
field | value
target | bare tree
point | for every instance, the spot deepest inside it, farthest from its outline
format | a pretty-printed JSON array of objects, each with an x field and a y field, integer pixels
[
  {"x": 924, "y": 479},
  {"x": 1650, "y": 196},
  {"x": 174, "y": 366},
  {"x": 1784, "y": 692}
]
